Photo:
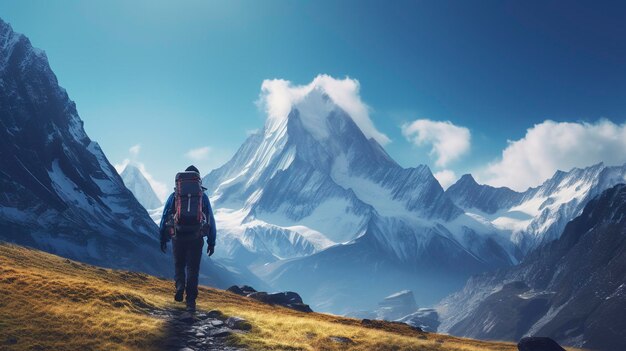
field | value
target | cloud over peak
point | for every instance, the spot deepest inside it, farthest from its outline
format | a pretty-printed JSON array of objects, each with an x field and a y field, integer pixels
[
  {"x": 314, "y": 100},
  {"x": 447, "y": 141},
  {"x": 550, "y": 146}
]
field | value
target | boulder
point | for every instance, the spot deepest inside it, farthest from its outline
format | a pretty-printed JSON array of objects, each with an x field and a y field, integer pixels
[
  {"x": 238, "y": 323},
  {"x": 302, "y": 307},
  {"x": 215, "y": 314},
  {"x": 287, "y": 299},
  {"x": 260, "y": 296},
  {"x": 220, "y": 332},
  {"x": 243, "y": 290},
  {"x": 537, "y": 343},
  {"x": 186, "y": 317},
  {"x": 341, "y": 340}
]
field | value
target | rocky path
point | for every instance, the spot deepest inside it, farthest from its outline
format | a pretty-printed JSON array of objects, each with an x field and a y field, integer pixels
[{"x": 199, "y": 331}]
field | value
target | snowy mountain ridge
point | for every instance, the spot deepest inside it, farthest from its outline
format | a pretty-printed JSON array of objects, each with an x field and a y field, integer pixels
[
  {"x": 310, "y": 187},
  {"x": 60, "y": 192},
  {"x": 322, "y": 182},
  {"x": 539, "y": 214},
  {"x": 298, "y": 188},
  {"x": 570, "y": 289},
  {"x": 137, "y": 183}
]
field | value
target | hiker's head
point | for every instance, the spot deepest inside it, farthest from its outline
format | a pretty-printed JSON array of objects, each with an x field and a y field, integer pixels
[{"x": 192, "y": 168}]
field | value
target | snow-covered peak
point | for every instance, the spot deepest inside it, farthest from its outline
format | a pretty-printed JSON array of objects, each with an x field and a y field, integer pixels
[
  {"x": 539, "y": 214},
  {"x": 10, "y": 41},
  {"x": 137, "y": 183},
  {"x": 313, "y": 108},
  {"x": 315, "y": 100}
]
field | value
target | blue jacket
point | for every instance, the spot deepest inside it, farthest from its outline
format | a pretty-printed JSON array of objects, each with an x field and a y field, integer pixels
[{"x": 206, "y": 208}]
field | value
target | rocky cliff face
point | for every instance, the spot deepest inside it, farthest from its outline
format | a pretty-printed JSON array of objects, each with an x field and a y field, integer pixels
[
  {"x": 571, "y": 289},
  {"x": 59, "y": 192}
]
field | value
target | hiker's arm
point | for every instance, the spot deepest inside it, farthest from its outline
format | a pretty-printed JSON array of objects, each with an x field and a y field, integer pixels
[
  {"x": 208, "y": 212},
  {"x": 166, "y": 212}
]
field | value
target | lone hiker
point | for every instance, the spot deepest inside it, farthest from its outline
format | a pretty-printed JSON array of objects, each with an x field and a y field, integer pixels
[{"x": 187, "y": 218}]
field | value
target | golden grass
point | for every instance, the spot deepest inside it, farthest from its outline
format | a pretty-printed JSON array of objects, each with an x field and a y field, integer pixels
[{"x": 48, "y": 302}]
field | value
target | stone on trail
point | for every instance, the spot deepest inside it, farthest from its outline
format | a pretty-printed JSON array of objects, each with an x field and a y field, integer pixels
[
  {"x": 221, "y": 332},
  {"x": 537, "y": 343},
  {"x": 238, "y": 323},
  {"x": 341, "y": 340}
]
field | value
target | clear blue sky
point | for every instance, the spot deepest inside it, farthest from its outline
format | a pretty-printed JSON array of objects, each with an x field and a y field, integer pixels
[{"x": 177, "y": 75}]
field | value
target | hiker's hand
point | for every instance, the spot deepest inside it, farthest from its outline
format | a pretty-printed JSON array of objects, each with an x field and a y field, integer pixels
[
  {"x": 164, "y": 246},
  {"x": 210, "y": 250}
]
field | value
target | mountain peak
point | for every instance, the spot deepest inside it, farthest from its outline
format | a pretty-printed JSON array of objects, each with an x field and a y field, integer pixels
[
  {"x": 136, "y": 182},
  {"x": 467, "y": 179}
]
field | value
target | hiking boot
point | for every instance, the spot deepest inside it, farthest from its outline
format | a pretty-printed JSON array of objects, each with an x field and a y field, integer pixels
[
  {"x": 179, "y": 296},
  {"x": 191, "y": 306}
]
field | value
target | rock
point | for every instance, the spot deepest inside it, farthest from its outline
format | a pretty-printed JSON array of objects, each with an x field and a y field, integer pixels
[
  {"x": 217, "y": 323},
  {"x": 238, "y": 323},
  {"x": 243, "y": 290},
  {"x": 378, "y": 324},
  {"x": 260, "y": 296},
  {"x": 221, "y": 332},
  {"x": 300, "y": 307},
  {"x": 341, "y": 340},
  {"x": 284, "y": 298},
  {"x": 202, "y": 316},
  {"x": 537, "y": 343},
  {"x": 287, "y": 299},
  {"x": 186, "y": 317},
  {"x": 186, "y": 349},
  {"x": 215, "y": 314}
]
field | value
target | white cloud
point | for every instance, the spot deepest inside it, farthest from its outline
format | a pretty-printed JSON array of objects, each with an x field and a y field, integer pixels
[
  {"x": 199, "y": 154},
  {"x": 279, "y": 96},
  {"x": 134, "y": 150},
  {"x": 445, "y": 178},
  {"x": 448, "y": 141},
  {"x": 551, "y": 146}
]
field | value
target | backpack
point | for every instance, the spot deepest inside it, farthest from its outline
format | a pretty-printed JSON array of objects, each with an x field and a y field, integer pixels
[{"x": 188, "y": 216}]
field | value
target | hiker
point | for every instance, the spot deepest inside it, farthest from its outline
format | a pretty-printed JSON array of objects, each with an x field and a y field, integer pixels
[{"x": 187, "y": 218}]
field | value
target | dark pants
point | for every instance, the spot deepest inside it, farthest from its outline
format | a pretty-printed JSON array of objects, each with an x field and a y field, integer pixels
[{"x": 187, "y": 255}]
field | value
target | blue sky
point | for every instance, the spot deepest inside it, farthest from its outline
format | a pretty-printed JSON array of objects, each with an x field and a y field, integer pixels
[{"x": 175, "y": 76}]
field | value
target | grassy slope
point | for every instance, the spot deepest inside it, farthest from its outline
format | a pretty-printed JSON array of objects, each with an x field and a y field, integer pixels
[{"x": 48, "y": 302}]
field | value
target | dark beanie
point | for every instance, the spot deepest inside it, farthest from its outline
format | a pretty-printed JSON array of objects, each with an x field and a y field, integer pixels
[{"x": 192, "y": 169}]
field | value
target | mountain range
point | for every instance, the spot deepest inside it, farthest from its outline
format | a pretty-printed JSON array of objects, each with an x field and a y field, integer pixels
[
  {"x": 572, "y": 289},
  {"x": 309, "y": 203},
  {"x": 60, "y": 193}
]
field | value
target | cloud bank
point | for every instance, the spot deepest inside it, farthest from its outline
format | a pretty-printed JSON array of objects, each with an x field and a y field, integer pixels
[
  {"x": 134, "y": 150},
  {"x": 551, "y": 146},
  {"x": 279, "y": 96},
  {"x": 199, "y": 154},
  {"x": 447, "y": 141}
]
